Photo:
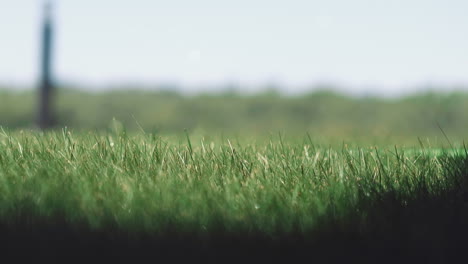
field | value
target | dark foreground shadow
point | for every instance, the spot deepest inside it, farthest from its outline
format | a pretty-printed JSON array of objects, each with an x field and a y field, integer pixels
[{"x": 421, "y": 228}]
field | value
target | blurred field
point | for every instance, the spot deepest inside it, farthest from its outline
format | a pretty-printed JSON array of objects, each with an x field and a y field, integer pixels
[{"x": 326, "y": 116}]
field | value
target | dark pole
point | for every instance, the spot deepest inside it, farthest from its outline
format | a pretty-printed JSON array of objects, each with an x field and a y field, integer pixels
[{"x": 46, "y": 84}]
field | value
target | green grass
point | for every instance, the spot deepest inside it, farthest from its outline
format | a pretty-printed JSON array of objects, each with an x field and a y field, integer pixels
[
  {"x": 144, "y": 183},
  {"x": 413, "y": 199}
]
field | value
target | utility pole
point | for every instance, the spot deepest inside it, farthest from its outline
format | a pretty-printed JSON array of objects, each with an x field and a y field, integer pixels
[{"x": 45, "y": 119}]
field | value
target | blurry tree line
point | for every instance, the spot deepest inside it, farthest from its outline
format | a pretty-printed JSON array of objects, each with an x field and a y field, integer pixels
[{"x": 318, "y": 113}]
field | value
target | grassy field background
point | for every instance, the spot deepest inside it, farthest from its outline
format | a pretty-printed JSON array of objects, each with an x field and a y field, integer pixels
[
  {"x": 321, "y": 176},
  {"x": 325, "y": 115}
]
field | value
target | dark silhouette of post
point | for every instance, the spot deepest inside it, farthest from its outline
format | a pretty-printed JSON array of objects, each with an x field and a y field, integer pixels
[{"x": 45, "y": 119}]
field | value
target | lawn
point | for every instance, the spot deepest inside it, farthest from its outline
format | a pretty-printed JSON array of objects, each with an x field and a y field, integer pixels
[{"x": 145, "y": 192}]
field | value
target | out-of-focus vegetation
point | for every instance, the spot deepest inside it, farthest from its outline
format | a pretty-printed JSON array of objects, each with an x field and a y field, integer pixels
[{"x": 321, "y": 114}]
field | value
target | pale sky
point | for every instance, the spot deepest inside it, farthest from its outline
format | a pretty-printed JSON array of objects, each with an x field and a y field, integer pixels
[{"x": 378, "y": 46}]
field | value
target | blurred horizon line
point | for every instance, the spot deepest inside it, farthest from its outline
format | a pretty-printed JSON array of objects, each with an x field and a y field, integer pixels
[{"x": 247, "y": 89}]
